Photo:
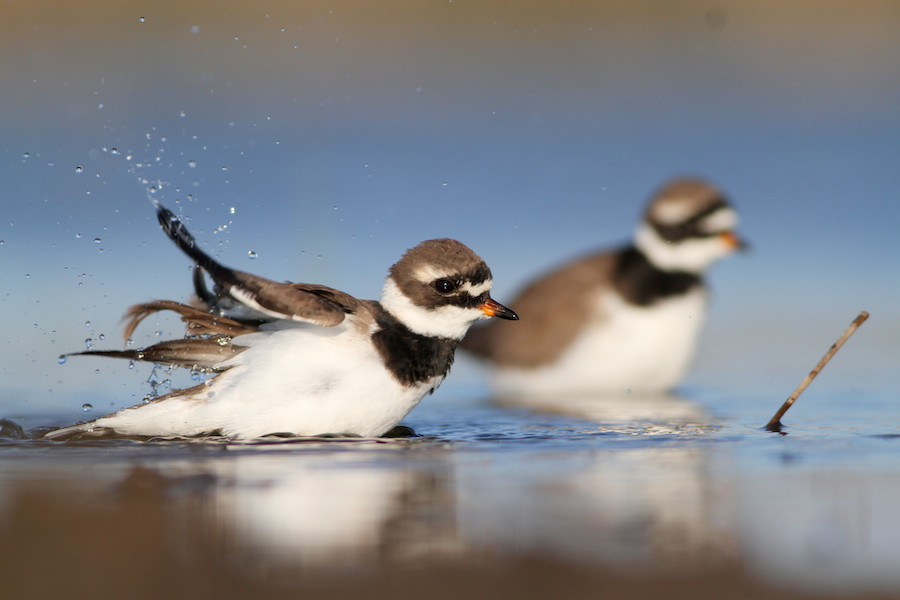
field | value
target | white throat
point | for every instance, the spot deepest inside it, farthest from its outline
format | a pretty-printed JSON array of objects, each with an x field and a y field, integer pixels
[
  {"x": 693, "y": 255},
  {"x": 446, "y": 321}
]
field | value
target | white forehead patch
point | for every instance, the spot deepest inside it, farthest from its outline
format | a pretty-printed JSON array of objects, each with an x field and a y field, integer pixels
[
  {"x": 673, "y": 212},
  {"x": 724, "y": 219},
  {"x": 477, "y": 290},
  {"x": 428, "y": 273}
]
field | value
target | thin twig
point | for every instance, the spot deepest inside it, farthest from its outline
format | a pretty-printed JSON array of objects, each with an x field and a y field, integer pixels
[{"x": 774, "y": 423}]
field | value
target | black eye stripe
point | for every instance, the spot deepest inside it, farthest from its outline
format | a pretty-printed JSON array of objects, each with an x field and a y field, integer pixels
[
  {"x": 719, "y": 204},
  {"x": 479, "y": 275},
  {"x": 690, "y": 228},
  {"x": 475, "y": 277},
  {"x": 463, "y": 300}
]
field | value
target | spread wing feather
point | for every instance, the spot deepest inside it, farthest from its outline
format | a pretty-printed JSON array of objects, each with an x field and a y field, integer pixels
[
  {"x": 208, "y": 345},
  {"x": 310, "y": 303},
  {"x": 198, "y": 322},
  {"x": 194, "y": 353}
]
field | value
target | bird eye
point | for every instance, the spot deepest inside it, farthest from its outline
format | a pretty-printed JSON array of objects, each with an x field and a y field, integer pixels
[{"x": 444, "y": 286}]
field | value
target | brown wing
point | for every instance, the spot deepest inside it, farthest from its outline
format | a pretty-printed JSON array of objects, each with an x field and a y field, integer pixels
[
  {"x": 301, "y": 302},
  {"x": 552, "y": 310},
  {"x": 307, "y": 302}
]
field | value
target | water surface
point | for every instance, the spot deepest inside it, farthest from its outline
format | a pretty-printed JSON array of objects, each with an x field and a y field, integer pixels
[{"x": 624, "y": 486}]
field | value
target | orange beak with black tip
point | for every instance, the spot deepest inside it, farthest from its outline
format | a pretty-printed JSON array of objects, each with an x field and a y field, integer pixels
[
  {"x": 492, "y": 308},
  {"x": 733, "y": 240}
]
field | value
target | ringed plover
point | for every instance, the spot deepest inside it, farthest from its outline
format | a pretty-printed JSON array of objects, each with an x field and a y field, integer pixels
[
  {"x": 306, "y": 359},
  {"x": 619, "y": 321}
]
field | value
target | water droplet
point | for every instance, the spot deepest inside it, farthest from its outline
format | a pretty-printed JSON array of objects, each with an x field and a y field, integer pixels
[
  {"x": 101, "y": 337},
  {"x": 79, "y": 170},
  {"x": 114, "y": 151},
  {"x": 87, "y": 407},
  {"x": 89, "y": 343},
  {"x": 97, "y": 240},
  {"x": 192, "y": 163},
  {"x": 445, "y": 183},
  {"x": 62, "y": 359},
  {"x": 142, "y": 19},
  {"x": 26, "y": 155},
  {"x": 130, "y": 364},
  {"x": 335, "y": 207},
  {"x": 78, "y": 235},
  {"x": 251, "y": 254},
  {"x": 231, "y": 210}
]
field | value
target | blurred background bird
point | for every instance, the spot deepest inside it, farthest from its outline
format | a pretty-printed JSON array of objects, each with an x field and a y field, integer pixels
[{"x": 622, "y": 320}]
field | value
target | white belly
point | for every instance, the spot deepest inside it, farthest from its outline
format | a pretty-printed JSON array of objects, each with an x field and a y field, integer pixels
[
  {"x": 303, "y": 380},
  {"x": 626, "y": 348}
]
